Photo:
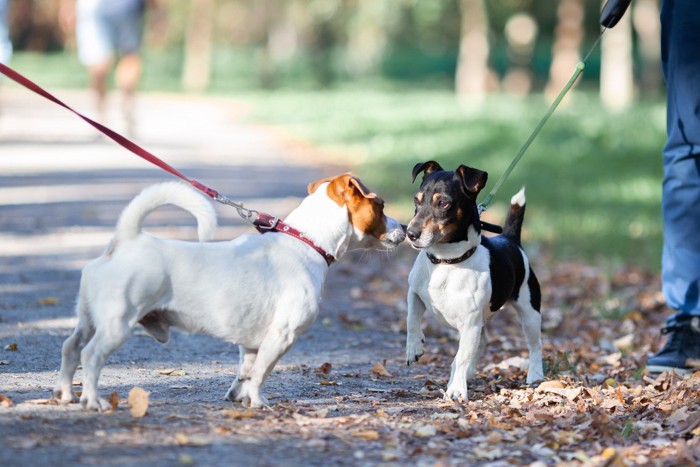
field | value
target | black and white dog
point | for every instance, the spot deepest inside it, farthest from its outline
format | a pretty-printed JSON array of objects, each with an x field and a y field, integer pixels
[{"x": 463, "y": 277}]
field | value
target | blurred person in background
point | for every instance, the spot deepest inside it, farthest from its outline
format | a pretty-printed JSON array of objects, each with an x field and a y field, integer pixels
[{"x": 108, "y": 33}]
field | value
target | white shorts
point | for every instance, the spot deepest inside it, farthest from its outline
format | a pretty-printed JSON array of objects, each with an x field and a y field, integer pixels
[{"x": 104, "y": 32}]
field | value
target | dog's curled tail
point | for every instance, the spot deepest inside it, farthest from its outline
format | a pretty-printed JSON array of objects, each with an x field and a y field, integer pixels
[
  {"x": 178, "y": 194},
  {"x": 516, "y": 214}
]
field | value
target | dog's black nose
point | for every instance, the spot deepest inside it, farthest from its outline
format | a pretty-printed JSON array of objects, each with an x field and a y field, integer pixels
[{"x": 413, "y": 234}]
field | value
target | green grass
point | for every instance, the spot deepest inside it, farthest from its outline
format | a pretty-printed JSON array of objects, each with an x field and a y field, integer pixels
[{"x": 593, "y": 178}]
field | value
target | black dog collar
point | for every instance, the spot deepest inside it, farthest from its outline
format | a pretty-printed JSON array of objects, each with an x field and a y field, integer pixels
[{"x": 464, "y": 257}]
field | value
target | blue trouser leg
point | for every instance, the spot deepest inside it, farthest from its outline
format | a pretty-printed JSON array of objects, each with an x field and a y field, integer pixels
[{"x": 680, "y": 49}]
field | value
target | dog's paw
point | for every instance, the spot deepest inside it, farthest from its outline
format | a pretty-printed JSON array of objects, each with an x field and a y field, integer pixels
[
  {"x": 454, "y": 393},
  {"x": 534, "y": 377},
  {"x": 535, "y": 372},
  {"x": 238, "y": 392},
  {"x": 414, "y": 349},
  {"x": 259, "y": 402},
  {"x": 64, "y": 397},
  {"x": 97, "y": 404}
]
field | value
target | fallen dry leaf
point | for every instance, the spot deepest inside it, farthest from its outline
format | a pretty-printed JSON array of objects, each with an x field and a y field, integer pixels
[
  {"x": 612, "y": 359},
  {"x": 12, "y": 347},
  {"x": 42, "y": 402},
  {"x": 677, "y": 417},
  {"x": 138, "y": 402},
  {"x": 325, "y": 368},
  {"x": 379, "y": 370},
  {"x": 239, "y": 414},
  {"x": 5, "y": 401},
  {"x": 172, "y": 372},
  {"x": 546, "y": 385},
  {"x": 48, "y": 301},
  {"x": 114, "y": 401},
  {"x": 366, "y": 434},
  {"x": 425, "y": 431},
  {"x": 192, "y": 440}
]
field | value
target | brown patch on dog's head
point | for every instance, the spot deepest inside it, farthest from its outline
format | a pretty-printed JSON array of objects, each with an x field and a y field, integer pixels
[{"x": 365, "y": 208}]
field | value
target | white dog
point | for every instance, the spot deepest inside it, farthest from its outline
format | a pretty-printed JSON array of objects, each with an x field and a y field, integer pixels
[{"x": 258, "y": 291}]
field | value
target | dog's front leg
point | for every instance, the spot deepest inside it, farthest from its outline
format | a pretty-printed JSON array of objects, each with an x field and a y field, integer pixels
[
  {"x": 246, "y": 358},
  {"x": 276, "y": 343},
  {"x": 467, "y": 354},
  {"x": 415, "y": 339}
]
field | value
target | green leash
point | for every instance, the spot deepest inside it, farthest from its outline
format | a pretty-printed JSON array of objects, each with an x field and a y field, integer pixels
[{"x": 577, "y": 72}]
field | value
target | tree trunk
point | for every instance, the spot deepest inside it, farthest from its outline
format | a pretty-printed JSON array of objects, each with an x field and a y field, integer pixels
[
  {"x": 567, "y": 41},
  {"x": 472, "y": 74},
  {"x": 646, "y": 22},
  {"x": 616, "y": 80},
  {"x": 198, "y": 45}
]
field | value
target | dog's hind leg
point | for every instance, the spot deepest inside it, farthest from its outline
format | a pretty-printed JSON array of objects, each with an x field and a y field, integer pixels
[
  {"x": 531, "y": 322},
  {"x": 70, "y": 356},
  {"x": 109, "y": 336},
  {"x": 276, "y": 343},
  {"x": 246, "y": 358},
  {"x": 527, "y": 306}
]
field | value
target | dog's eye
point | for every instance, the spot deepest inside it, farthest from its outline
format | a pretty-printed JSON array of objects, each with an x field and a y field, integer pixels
[{"x": 442, "y": 204}]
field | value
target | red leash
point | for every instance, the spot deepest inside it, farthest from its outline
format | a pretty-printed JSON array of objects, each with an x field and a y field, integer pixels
[{"x": 263, "y": 222}]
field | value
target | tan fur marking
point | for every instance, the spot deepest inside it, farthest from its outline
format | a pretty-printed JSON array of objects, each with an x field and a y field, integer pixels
[{"x": 365, "y": 209}]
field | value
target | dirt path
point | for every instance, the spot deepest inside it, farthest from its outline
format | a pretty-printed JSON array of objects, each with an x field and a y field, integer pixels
[{"x": 343, "y": 394}]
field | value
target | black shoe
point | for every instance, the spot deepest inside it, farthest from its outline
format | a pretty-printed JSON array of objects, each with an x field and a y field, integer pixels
[{"x": 683, "y": 343}]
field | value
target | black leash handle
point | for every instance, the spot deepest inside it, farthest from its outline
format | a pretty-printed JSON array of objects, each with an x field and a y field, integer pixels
[{"x": 613, "y": 12}]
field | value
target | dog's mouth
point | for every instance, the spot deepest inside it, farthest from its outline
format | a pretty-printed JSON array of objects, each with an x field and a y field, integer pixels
[
  {"x": 425, "y": 240},
  {"x": 393, "y": 239}
]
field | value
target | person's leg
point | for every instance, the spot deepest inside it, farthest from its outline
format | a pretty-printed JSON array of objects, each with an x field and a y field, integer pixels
[
  {"x": 128, "y": 74},
  {"x": 95, "y": 52},
  {"x": 129, "y": 24},
  {"x": 680, "y": 21},
  {"x": 98, "y": 83}
]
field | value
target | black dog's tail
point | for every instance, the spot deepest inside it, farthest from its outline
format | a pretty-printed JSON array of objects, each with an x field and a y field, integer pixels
[{"x": 514, "y": 220}]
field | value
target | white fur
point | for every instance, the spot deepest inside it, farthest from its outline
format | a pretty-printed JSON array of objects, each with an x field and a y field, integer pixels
[
  {"x": 258, "y": 291},
  {"x": 458, "y": 295},
  {"x": 519, "y": 198}
]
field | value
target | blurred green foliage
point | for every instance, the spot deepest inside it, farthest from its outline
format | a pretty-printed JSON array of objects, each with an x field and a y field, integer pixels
[{"x": 593, "y": 178}]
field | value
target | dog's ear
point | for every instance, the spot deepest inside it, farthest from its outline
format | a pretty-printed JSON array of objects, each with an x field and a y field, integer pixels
[
  {"x": 427, "y": 167},
  {"x": 344, "y": 187},
  {"x": 313, "y": 185},
  {"x": 473, "y": 180}
]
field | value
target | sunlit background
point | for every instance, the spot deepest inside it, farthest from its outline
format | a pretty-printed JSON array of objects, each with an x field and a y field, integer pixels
[{"x": 383, "y": 84}]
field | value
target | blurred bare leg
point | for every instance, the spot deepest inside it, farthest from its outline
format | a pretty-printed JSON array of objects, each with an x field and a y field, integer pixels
[
  {"x": 128, "y": 74},
  {"x": 98, "y": 83}
]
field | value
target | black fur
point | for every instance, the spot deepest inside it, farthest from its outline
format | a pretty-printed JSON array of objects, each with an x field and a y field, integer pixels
[{"x": 507, "y": 270}]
